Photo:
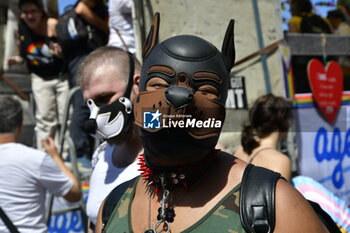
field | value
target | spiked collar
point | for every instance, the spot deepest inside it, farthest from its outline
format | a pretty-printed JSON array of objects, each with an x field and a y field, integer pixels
[{"x": 175, "y": 177}]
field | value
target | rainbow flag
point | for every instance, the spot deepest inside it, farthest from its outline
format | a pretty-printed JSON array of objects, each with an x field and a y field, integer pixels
[
  {"x": 335, "y": 207},
  {"x": 85, "y": 189},
  {"x": 305, "y": 100}
]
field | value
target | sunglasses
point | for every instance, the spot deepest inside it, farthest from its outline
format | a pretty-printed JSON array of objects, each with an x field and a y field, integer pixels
[{"x": 31, "y": 11}]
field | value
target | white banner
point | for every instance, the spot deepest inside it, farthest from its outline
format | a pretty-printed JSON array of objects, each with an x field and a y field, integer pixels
[{"x": 324, "y": 149}]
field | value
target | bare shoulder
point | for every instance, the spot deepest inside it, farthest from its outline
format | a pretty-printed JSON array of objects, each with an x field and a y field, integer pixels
[
  {"x": 275, "y": 161},
  {"x": 293, "y": 212},
  {"x": 273, "y": 154},
  {"x": 239, "y": 153},
  {"x": 235, "y": 167},
  {"x": 231, "y": 159}
]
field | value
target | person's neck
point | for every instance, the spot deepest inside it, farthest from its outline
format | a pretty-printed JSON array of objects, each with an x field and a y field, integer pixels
[
  {"x": 179, "y": 176},
  {"x": 7, "y": 138},
  {"x": 270, "y": 141},
  {"x": 126, "y": 151}
]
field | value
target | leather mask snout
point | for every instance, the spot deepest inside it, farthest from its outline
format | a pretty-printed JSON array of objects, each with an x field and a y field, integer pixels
[
  {"x": 200, "y": 116},
  {"x": 178, "y": 96}
]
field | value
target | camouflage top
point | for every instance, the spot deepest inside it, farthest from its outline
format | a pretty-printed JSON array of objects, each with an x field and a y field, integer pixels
[{"x": 224, "y": 217}]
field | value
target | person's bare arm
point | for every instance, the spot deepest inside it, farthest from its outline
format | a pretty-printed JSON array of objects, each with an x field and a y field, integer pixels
[
  {"x": 276, "y": 161},
  {"x": 55, "y": 47},
  {"x": 294, "y": 213},
  {"x": 75, "y": 193},
  {"x": 83, "y": 9},
  {"x": 99, "y": 224},
  {"x": 286, "y": 167},
  {"x": 17, "y": 59}
]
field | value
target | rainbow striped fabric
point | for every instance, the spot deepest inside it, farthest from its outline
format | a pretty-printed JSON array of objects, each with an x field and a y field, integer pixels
[{"x": 336, "y": 208}]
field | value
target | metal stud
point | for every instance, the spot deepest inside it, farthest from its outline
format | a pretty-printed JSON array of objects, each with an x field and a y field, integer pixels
[{"x": 175, "y": 181}]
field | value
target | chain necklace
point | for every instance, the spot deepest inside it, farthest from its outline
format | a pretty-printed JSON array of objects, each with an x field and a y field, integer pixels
[
  {"x": 166, "y": 212},
  {"x": 164, "y": 180}
]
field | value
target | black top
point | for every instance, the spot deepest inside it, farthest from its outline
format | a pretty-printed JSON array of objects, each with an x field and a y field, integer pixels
[
  {"x": 38, "y": 54},
  {"x": 98, "y": 39}
]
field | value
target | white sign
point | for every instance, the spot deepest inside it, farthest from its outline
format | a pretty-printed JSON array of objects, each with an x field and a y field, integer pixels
[
  {"x": 236, "y": 96},
  {"x": 324, "y": 149}
]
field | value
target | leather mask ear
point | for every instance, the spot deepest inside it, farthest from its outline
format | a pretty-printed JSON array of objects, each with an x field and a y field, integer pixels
[
  {"x": 228, "y": 46},
  {"x": 152, "y": 38}
]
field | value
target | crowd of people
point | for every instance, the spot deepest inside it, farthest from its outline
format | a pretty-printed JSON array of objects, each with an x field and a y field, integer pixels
[
  {"x": 305, "y": 20},
  {"x": 146, "y": 176}
]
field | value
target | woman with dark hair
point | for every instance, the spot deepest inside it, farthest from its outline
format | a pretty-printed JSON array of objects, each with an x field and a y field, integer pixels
[
  {"x": 269, "y": 121},
  {"x": 38, "y": 47}
]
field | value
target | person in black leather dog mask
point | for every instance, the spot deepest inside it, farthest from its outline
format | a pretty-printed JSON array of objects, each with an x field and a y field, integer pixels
[{"x": 186, "y": 184}]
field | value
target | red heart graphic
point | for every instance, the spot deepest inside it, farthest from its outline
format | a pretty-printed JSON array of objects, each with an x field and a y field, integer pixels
[{"x": 326, "y": 86}]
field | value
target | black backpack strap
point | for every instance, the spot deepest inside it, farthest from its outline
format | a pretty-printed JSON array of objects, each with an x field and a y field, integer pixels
[
  {"x": 257, "y": 199},
  {"x": 8, "y": 222},
  {"x": 112, "y": 200},
  {"x": 325, "y": 218}
]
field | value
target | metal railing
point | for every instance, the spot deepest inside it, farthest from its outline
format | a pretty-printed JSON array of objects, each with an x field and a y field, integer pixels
[{"x": 74, "y": 165}]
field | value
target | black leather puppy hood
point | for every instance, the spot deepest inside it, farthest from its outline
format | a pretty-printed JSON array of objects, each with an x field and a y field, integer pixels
[
  {"x": 190, "y": 56},
  {"x": 185, "y": 62},
  {"x": 187, "y": 57},
  {"x": 182, "y": 112}
]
